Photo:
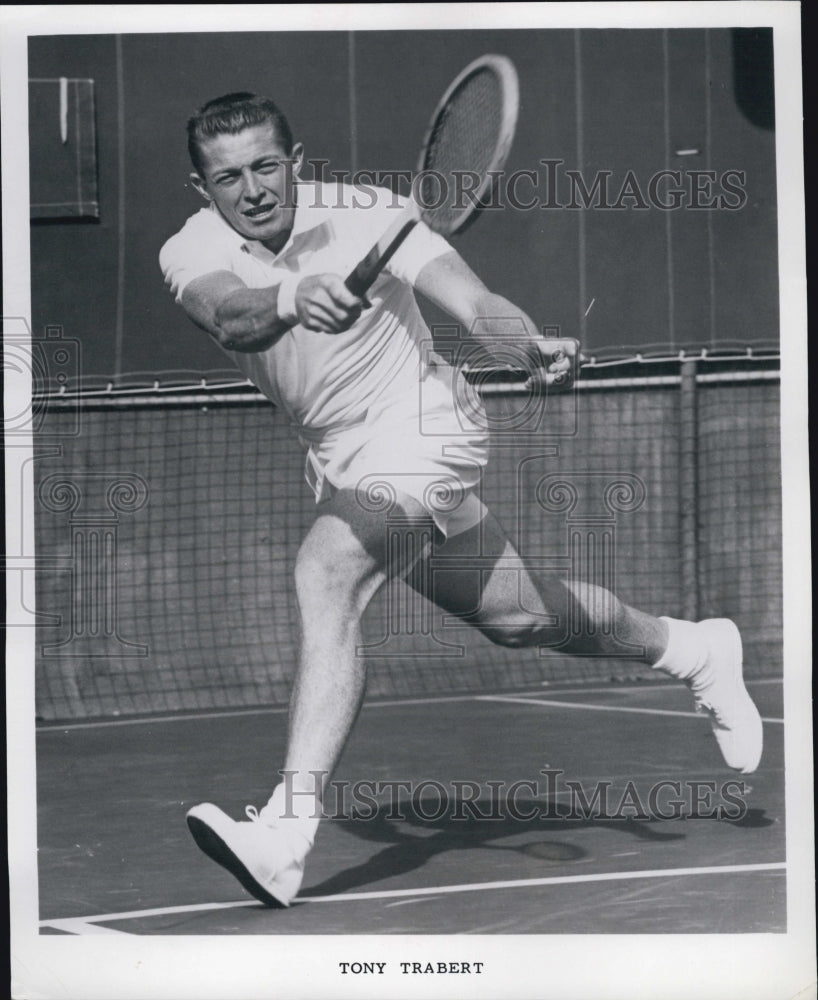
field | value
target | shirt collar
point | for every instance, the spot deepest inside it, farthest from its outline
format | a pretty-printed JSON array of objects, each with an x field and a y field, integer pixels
[{"x": 256, "y": 247}]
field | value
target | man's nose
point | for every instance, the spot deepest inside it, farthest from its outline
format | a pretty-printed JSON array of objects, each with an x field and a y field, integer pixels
[{"x": 252, "y": 188}]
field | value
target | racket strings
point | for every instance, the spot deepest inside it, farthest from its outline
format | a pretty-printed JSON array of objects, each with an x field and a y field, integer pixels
[{"x": 463, "y": 143}]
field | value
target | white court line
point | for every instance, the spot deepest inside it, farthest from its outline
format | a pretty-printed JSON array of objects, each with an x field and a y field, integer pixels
[
  {"x": 598, "y": 708},
  {"x": 88, "y": 925},
  {"x": 438, "y": 890},
  {"x": 78, "y": 925},
  {"x": 613, "y": 687},
  {"x": 407, "y": 902},
  {"x": 162, "y": 911},
  {"x": 527, "y": 883},
  {"x": 56, "y": 727},
  {"x": 270, "y": 710},
  {"x": 394, "y": 703},
  {"x": 660, "y": 685}
]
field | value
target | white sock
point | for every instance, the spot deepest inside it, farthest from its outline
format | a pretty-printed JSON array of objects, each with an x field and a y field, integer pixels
[
  {"x": 296, "y": 815},
  {"x": 686, "y": 651}
]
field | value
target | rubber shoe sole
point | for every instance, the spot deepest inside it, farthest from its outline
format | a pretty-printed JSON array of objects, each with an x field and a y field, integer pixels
[{"x": 213, "y": 830}]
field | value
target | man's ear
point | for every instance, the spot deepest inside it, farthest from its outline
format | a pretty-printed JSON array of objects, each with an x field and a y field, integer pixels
[
  {"x": 200, "y": 186},
  {"x": 297, "y": 158}
]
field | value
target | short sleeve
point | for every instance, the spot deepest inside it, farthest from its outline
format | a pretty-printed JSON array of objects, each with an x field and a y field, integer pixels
[
  {"x": 419, "y": 247},
  {"x": 187, "y": 256}
]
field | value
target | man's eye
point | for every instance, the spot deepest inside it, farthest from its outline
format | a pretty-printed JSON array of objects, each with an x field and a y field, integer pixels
[
  {"x": 269, "y": 168},
  {"x": 227, "y": 179}
]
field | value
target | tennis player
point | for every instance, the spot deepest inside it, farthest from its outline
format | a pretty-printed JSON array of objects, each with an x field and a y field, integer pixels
[{"x": 261, "y": 269}]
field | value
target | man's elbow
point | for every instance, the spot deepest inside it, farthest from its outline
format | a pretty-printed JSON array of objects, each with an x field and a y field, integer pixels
[
  {"x": 230, "y": 323},
  {"x": 241, "y": 332},
  {"x": 226, "y": 324}
]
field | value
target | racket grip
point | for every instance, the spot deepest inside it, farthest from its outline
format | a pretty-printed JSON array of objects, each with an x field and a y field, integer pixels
[
  {"x": 367, "y": 270},
  {"x": 365, "y": 273}
]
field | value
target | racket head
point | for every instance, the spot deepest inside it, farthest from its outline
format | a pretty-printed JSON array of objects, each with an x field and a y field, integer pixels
[{"x": 468, "y": 140}]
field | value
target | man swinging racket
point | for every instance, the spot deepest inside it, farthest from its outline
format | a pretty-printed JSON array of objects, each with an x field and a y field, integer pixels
[{"x": 262, "y": 269}]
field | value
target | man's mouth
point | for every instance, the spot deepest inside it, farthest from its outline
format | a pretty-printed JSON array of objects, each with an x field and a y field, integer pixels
[{"x": 259, "y": 212}]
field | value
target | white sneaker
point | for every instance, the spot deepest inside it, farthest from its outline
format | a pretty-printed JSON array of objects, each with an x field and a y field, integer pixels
[
  {"x": 719, "y": 690},
  {"x": 259, "y": 856}
]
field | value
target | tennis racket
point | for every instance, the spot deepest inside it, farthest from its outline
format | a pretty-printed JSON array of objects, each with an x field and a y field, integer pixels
[{"x": 470, "y": 134}]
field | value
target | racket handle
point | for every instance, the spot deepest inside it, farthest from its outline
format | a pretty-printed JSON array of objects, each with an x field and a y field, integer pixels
[
  {"x": 365, "y": 273},
  {"x": 368, "y": 269}
]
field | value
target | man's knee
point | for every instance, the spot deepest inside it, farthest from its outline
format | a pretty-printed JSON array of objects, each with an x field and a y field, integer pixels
[{"x": 513, "y": 634}]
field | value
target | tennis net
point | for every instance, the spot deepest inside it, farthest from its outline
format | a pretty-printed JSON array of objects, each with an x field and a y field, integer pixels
[{"x": 168, "y": 518}]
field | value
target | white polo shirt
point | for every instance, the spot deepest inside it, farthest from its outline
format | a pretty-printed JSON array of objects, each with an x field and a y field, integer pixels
[
  {"x": 373, "y": 405},
  {"x": 321, "y": 380}
]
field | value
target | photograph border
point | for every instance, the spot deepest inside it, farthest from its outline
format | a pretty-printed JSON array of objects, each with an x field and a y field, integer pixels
[{"x": 559, "y": 967}]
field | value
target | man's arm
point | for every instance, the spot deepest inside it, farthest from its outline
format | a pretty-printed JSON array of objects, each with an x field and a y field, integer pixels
[
  {"x": 493, "y": 320},
  {"x": 249, "y": 319}
]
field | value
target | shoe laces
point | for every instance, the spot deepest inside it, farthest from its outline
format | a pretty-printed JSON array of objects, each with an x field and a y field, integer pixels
[
  {"x": 701, "y": 686},
  {"x": 704, "y": 707},
  {"x": 259, "y": 817}
]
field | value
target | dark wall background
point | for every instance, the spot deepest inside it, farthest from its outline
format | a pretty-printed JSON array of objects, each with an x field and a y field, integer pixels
[{"x": 598, "y": 100}]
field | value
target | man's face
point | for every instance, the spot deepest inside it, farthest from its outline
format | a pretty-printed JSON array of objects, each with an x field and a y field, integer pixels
[{"x": 250, "y": 178}]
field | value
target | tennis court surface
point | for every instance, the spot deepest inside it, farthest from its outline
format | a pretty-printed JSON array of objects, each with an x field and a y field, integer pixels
[
  {"x": 165, "y": 664},
  {"x": 458, "y": 830}
]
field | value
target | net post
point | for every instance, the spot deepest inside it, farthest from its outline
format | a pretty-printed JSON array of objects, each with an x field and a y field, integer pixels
[{"x": 689, "y": 489}]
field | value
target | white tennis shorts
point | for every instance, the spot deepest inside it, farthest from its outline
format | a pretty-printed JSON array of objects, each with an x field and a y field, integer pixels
[{"x": 430, "y": 444}]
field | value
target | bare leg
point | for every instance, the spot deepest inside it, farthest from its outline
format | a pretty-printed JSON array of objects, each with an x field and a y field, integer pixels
[
  {"x": 515, "y": 607},
  {"x": 341, "y": 565}
]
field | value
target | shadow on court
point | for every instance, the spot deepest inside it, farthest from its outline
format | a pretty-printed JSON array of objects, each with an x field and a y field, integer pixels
[
  {"x": 413, "y": 841},
  {"x": 114, "y": 851}
]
